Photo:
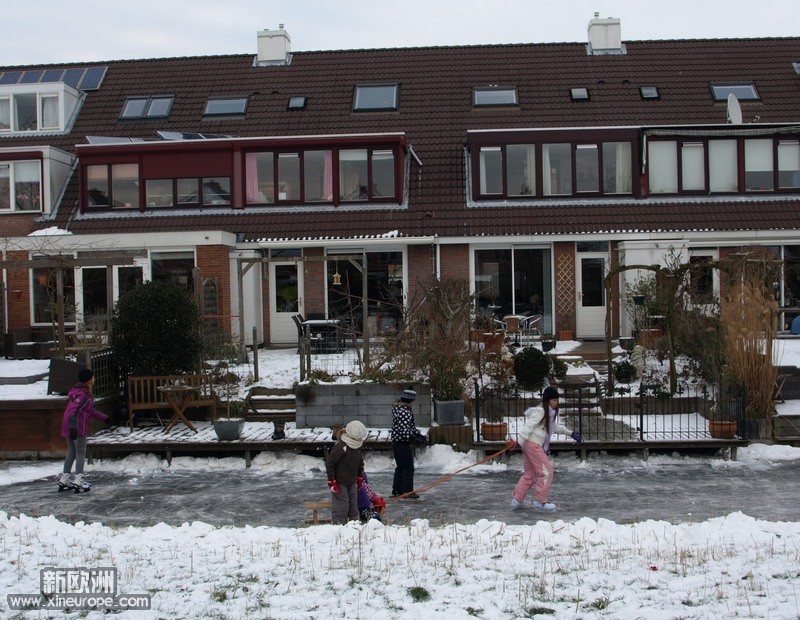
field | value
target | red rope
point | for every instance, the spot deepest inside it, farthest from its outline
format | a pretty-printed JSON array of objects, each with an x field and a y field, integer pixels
[{"x": 447, "y": 477}]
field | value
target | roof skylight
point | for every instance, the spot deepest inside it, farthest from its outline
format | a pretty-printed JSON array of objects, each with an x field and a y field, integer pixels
[
  {"x": 649, "y": 92},
  {"x": 744, "y": 91},
  {"x": 494, "y": 96},
  {"x": 225, "y": 106},
  {"x": 579, "y": 94},
  {"x": 297, "y": 103},
  {"x": 371, "y": 97},
  {"x": 147, "y": 107}
]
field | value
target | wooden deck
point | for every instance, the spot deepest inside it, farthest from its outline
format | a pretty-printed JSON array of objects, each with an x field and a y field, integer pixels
[{"x": 255, "y": 437}]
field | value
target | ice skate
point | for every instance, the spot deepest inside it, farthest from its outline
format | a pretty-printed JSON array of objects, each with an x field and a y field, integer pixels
[
  {"x": 81, "y": 484},
  {"x": 65, "y": 483},
  {"x": 544, "y": 506}
]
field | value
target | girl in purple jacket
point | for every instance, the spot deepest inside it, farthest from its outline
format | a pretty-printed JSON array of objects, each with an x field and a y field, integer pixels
[{"x": 80, "y": 406}]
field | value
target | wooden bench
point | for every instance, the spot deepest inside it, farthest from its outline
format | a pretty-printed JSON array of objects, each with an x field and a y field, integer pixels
[
  {"x": 315, "y": 507},
  {"x": 144, "y": 395}
]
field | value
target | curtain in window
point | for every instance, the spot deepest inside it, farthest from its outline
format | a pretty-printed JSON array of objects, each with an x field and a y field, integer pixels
[
  {"x": 327, "y": 182},
  {"x": 251, "y": 178},
  {"x": 49, "y": 112},
  {"x": 722, "y": 166},
  {"x": 27, "y": 185},
  {"x": 5, "y": 114},
  {"x": 789, "y": 164},
  {"x": 663, "y": 167},
  {"x": 5, "y": 187},
  {"x": 623, "y": 169},
  {"x": 693, "y": 167},
  {"x": 758, "y": 164}
]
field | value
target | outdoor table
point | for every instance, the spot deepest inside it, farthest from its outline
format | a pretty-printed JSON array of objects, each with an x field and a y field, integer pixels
[
  {"x": 179, "y": 397},
  {"x": 324, "y": 328}
]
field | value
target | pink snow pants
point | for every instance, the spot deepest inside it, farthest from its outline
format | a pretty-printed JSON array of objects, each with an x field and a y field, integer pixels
[{"x": 537, "y": 471}]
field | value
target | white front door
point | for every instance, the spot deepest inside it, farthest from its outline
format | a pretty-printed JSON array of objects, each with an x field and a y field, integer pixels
[
  {"x": 285, "y": 286},
  {"x": 591, "y": 302}
]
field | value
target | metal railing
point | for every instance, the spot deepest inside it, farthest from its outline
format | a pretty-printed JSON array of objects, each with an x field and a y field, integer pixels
[{"x": 651, "y": 414}]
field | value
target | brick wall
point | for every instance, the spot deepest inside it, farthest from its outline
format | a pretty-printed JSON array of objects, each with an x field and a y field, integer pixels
[{"x": 214, "y": 262}]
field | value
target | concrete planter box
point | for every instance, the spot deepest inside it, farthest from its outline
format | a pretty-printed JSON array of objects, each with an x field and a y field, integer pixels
[
  {"x": 330, "y": 405},
  {"x": 448, "y": 412}
]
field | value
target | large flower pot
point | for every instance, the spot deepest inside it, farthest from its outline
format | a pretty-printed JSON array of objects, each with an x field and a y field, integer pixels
[
  {"x": 494, "y": 431},
  {"x": 720, "y": 429},
  {"x": 228, "y": 429}
]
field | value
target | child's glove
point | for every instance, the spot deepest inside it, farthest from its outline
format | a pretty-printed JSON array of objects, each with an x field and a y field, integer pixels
[
  {"x": 360, "y": 482},
  {"x": 334, "y": 486},
  {"x": 577, "y": 437}
]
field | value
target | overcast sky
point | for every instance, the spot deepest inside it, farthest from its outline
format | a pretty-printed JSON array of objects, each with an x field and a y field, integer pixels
[{"x": 44, "y": 31}]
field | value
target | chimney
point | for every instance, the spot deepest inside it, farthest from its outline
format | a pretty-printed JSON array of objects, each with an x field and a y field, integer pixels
[
  {"x": 274, "y": 47},
  {"x": 605, "y": 36}
]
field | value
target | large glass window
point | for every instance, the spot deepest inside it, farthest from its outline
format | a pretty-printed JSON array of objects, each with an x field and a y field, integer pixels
[
  {"x": 556, "y": 169},
  {"x": 758, "y": 166},
  {"x": 789, "y": 164},
  {"x": 5, "y": 113},
  {"x": 384, "y": 291},
  {"x": 216, "y": 191},
  {"x": 693, "y": 166},
  {"x": 159, "y": 192},
  {"x": 21, "y": 186},
  {"x": 260, "y": 173},
  {"x": 289, "y": 176},
  {"x": 45, "y": 295},
  {"x": 174, "y": 267},
  {"x": 30, "y": 112},
  {"x": 5, "y": 187},
  {"x": 617, "y": 177},
  {"x": 491, "y": 172},
  {"x": 663, "y": 167},
  {"x": 116, "y": 185},
  {"x": 723, "y": 166},
  {"x": 514, "y": 281},
  {"x": 521, "y": 169},
  {"x": 146, "y": 107},
  {"x": 494, "y": 96},
  {"x": 383, "y": 174},
  {"x": 318, "y": 176},
  {"x": 125, "y": 185},
  {"x": 587, "y": 166},
  {"x": 353, "y": 174}
]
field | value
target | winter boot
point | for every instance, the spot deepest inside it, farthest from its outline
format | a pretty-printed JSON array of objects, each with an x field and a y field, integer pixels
[
  {"x": 81, "y": 484},
  {"x": 515, "y": 505},
  {"x": 65, "y": 483},
  {"x": 544, "y": 506}
]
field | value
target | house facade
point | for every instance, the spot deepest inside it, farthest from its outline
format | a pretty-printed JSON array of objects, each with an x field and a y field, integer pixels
[{"x": 531, "y": 170}]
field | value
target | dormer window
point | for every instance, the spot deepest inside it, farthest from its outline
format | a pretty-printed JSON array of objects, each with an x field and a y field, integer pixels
[
  {"x": 146, "y": 107},
  {"x": 494, "y": 96},
  {"x": 375, "y": 97},
  {"x": 28, "y": 108},
  {"x": 21, "y": 186},
  {"x": 744, "y": 91},
  {"x": 225, "y": 106}
]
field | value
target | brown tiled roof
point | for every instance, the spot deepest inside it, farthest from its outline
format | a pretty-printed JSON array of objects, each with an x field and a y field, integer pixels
[{"x": 436, "y": 113}]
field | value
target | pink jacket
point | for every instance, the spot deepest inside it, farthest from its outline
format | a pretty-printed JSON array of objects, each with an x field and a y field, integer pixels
[{"x": 80, "y": 400}]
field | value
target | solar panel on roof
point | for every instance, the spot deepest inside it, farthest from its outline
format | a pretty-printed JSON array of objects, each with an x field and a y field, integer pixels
[
  {"x": 93, "y": 78},
  {"x": 52, "y": 75},
  {"x": 10, "y": 77},
  {"x": 72, "y": 77},
  {"x": 31, "y": 77}
]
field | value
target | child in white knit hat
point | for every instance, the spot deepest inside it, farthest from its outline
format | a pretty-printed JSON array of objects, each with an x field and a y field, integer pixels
[{"x": 345, "y": 468}]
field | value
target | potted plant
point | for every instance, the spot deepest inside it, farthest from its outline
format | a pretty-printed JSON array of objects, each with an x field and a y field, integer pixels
[
  {"x": 548, "y": 342},
  {"x": 230, "y": 427},
  {"x": 494, "y": 428}
]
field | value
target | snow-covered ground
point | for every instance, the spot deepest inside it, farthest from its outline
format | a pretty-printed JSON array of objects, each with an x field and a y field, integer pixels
[{"x": 734, "y": 566}]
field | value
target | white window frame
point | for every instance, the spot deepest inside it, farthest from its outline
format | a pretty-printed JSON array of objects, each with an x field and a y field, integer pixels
[
  {"x": 12, "y": 176},
  {"x": 43, "y": 93}
]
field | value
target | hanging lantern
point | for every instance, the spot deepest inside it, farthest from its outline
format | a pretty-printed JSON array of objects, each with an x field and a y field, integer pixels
[{"x": 337, "y": 279}]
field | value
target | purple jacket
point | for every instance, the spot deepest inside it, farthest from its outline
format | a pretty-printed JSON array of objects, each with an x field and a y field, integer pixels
[{"x": 80, "y": 400}]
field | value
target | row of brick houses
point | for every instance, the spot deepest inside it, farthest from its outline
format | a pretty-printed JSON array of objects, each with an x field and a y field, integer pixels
[{"x": 530, "y": 169}]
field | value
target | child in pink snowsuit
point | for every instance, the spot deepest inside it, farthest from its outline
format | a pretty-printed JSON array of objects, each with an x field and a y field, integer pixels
[{"x": 534, "y": 439}]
